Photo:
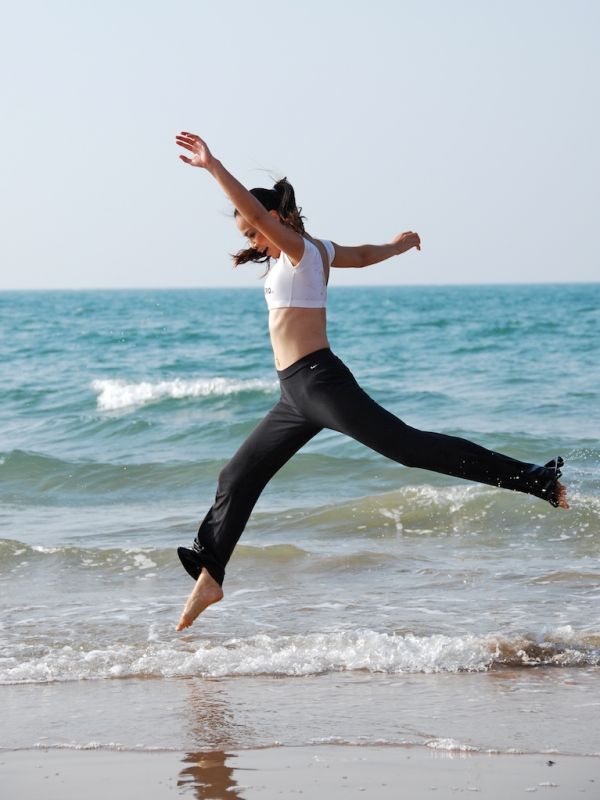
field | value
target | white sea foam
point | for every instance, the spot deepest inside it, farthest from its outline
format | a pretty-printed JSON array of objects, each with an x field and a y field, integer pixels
[
  {"x": 140, "y": 559},
  {"x": 297, "y": 655},
  {"x": 451, "y": 746},
  {"x": 117, "y": 394}
]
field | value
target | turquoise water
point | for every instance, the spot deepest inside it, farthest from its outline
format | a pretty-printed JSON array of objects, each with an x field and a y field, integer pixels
[{"x": 117, "y": 411}]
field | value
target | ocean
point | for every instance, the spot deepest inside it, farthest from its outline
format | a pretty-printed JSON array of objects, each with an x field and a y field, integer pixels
[{"x": 367, "y": 603}]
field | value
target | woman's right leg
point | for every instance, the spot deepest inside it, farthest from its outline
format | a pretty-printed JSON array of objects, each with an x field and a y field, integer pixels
[{"x": 270, "y": 445}]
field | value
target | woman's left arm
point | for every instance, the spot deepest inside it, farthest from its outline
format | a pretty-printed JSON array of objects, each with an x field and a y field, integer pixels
[{"x": 366, "y": 254}]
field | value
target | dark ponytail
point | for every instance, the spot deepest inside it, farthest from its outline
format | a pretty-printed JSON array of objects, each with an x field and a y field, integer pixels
[
  {"x": 288, "y": 211},
  {"x": 280, "y": 198}
]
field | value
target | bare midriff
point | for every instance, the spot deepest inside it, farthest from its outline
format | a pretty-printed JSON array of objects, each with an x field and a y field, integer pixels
[{"x": 296, "y": 332}]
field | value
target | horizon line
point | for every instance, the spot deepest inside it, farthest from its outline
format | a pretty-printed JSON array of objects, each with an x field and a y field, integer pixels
[{"x": 239, "y": 288}]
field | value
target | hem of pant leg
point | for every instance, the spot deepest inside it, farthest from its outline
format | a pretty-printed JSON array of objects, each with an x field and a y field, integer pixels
[
  {"x": 548, "y": 489},
  {"x": 194, "y": 563}
]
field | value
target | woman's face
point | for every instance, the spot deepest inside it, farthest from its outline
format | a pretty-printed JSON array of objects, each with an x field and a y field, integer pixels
[{"x": 255, "y": 238}]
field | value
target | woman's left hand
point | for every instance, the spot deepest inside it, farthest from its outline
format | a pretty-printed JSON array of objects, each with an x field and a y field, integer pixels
[
  {"x": 202, "y": 157},
  {"x": 407, "y": 240}
]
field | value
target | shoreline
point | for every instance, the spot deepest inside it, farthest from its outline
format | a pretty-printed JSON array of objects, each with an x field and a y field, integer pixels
[{"x": 330, "y": 771}]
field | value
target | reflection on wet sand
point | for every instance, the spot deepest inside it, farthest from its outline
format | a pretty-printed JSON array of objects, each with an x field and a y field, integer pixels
[
  {"x": 211, "y": 724},
  {"x": 212, "y": 719},
  {"x": 209, "y": 776}
]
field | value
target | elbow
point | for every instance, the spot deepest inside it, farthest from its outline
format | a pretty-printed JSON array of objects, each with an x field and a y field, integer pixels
[
  {"x": 362, "y": 257},
  {"x": 255, "y": 216}
]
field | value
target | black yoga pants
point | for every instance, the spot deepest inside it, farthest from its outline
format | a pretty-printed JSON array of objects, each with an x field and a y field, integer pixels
[{"x": 317, "y": 392}]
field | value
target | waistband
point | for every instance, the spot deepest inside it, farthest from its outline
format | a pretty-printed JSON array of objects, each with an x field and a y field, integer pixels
[{"x": 309, "y": 359}]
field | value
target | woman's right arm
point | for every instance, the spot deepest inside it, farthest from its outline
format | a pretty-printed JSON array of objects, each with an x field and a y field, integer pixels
[
  {"x": 246, "y": 204},
  {"x": 366, "y": 254}
]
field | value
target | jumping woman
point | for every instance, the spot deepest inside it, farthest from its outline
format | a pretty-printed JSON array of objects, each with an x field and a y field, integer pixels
[{"x": 317, "y": 390}]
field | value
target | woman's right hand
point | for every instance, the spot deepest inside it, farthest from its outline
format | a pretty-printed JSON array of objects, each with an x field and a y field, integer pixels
[
  {"x": 248, "y": 207},
  {"x": 201, "y": 155}
]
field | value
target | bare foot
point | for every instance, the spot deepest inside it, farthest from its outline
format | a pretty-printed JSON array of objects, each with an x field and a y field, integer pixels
[
  {"x": 206, "y": 592},
  {"x": 562, "y": 496}
]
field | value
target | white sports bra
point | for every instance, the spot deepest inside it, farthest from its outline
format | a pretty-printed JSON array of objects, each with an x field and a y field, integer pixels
[{"x": 302, "y": 286}]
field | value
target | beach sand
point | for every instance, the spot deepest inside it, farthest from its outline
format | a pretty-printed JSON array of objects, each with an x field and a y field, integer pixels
[{"x": 327, "y": 771}]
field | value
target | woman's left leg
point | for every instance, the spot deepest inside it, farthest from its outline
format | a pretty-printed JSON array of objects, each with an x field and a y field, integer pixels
[{"x": 334, "y": 399}]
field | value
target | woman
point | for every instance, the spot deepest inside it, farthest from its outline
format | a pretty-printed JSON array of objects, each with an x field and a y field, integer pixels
[{"x": 317, "y": 390}]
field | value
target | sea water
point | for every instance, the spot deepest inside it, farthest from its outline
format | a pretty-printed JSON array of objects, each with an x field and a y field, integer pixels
[{"x": 366, "y": 602}]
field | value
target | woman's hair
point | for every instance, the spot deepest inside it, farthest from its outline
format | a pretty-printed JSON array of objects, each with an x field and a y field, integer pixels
[{"x": 280, "y": 198}]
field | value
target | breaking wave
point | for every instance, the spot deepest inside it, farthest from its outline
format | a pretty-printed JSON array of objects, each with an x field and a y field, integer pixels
[
  {"x": 303, "y": 655},
  {"x": 118, "y": 394}
]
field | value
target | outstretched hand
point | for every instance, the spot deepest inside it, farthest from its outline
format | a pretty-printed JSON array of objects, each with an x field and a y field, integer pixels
[
  {"x": 201, "y": 155},
  {"x": 406, "y": 241}
]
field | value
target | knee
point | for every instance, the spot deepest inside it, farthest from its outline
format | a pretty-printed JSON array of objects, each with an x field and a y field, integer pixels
[
  {"x": 409, "y": 460},
  {"x": 409, "y": 457},
  {"x": 230, "y": 478},
  {"x": 238, "y": 476}
]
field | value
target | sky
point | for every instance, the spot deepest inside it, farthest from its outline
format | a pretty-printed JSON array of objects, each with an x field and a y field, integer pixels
[{"x": 474, "y": 122}]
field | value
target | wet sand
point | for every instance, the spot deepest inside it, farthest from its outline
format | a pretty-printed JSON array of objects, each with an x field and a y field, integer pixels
[{"x": 330, "y": 771}]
